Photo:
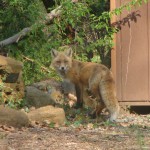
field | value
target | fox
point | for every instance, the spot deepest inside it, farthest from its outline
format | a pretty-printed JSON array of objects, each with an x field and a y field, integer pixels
[{"x": 88, "y": 77}]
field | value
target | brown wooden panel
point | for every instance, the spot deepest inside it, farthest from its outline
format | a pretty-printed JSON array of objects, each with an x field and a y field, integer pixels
[
  {"x": 148, "y": 18},
  {"x": 116, "y": 55},
  {"x": 132, "y": 57},
  {"x": 135, "y": 59},
  {"x": 113, "y": 50}
]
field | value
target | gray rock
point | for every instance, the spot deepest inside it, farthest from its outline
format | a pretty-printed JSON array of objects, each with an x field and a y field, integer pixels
[
  {"x": 48, "y": 92},
  {"x": 11, "y": 117},
  {"x": 49, "y": 114},
  {"x": 37, "y": 98}
]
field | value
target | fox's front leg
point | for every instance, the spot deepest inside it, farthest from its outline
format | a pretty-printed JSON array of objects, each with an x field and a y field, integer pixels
[{"x": 79, "y": 93}]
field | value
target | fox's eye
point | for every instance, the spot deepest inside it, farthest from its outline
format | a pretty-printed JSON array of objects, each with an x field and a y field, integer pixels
[
  {"x": 65, "y": 61},
  {"x": 58, "y": 62}
]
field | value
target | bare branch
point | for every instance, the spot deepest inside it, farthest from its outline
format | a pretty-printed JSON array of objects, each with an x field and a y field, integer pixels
[
  {"x": 32, "y": 60},
  {"x": 49, "y": 17},
  {"x": 15, "y": 38},
  {"x": 53, "y": 14}
]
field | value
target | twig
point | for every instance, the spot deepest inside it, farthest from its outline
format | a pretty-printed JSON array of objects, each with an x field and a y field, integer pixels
[{"x": 32, "y": 60}]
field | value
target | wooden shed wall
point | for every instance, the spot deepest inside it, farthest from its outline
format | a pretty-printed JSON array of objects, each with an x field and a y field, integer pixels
[{"x": 131, "y": 55}]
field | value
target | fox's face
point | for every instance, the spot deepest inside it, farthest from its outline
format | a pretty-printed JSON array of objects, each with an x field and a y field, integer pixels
[{"x": 61, "y": 61}]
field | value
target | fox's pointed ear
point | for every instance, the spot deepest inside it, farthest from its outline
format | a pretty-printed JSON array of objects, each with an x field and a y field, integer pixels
[
  {"x": 69, "y": 52},
  {"x": 54, "y": 53}
]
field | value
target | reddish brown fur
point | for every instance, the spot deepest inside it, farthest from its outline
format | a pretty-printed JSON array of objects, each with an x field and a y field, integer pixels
[{"x": 88, "y": 76}]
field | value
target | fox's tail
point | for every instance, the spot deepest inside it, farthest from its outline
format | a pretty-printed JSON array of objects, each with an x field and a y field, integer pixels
[{"x": 108, "y": 94}]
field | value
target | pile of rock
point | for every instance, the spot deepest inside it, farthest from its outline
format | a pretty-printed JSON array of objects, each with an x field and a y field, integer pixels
[
  {"x": 11, "y": 83},
  {"x": 18, "y": 118},
  {"x": 42, "y": 97}
]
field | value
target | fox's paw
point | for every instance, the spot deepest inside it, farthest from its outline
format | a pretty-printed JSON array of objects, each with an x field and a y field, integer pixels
[
  {"x": 91, "y": 96},
  {"x": 88, "y": 92},
  {"x": 92, "y": 115},
  {"x": 113, "y": 117}
]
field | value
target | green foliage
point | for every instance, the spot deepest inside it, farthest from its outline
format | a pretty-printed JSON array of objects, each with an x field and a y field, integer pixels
[
  {"x": 52, "y": 125},
  {"x": 87, "y": 22},
  {"x": 93, "y": 30},
  {"x": 10, "y": 101},
  {"x": 15, "y": 103},
  {"x": 16, "y": 15}
]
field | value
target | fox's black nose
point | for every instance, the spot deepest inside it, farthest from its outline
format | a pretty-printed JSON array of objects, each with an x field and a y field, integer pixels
[{"x": 62, "y": 68}]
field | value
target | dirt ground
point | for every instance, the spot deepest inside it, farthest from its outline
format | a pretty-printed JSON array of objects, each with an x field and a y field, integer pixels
[{"x": 131, "y": 132}]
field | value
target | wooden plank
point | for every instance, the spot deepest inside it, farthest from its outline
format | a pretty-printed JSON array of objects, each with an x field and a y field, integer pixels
[
  {"x": 134, "y": 53},
  {"x": 113, "y": 50},
  {"x": 148, "y": 18},
  {"x": 118, "y": 58},
  {"x": 131, "y": 57}
]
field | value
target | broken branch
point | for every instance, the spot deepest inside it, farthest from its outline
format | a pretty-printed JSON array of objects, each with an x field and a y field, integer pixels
[{"x": 49, "y": 17}]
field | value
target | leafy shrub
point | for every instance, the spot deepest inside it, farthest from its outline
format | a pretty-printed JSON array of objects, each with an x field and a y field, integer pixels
[{"x": 84, "y": 25}]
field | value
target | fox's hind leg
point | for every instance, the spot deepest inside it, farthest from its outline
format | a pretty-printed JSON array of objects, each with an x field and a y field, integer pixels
[
  {"x": 108, "y": 94},
  {"x": 98, "y": 107},
  {"x": 95, "y": 97}
]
